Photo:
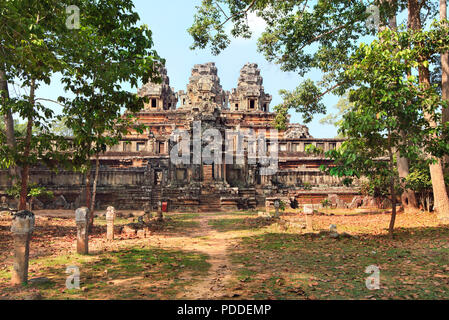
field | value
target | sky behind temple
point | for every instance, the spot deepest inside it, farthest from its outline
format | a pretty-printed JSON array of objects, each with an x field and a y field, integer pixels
[{"x": 169, "y": 21}]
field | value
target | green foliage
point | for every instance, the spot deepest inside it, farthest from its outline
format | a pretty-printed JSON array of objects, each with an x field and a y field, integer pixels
[
  {"x": 30, "y": 32},
  {"x": 306, "y": 186},
  {"x": 34, "y": 190},
  {"x": 109, "y": 49},
  {"x": 419, "y": 179},
  {"x": 313, "y": 150},
  {"x": 388, "y": 112},
  {"x": 6, "y": 156},
  {"x": 282, "y": 205},
  {"x": 343, "y": 106},
  {"x": 60, "y": 128},
  {"x": 378, "y": 186},
  {"x": 326, "y": 203},
  {"x": 303, "y": 36},
  {"x": 300, "y": 36},
  {"x": 303, "y": 100}
]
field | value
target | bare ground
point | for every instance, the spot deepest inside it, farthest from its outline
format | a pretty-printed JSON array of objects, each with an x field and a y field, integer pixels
[{"x": 236, "y": 256}]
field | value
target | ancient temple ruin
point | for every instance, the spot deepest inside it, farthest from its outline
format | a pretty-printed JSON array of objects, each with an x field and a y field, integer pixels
[{"x": 140, "y": 169}]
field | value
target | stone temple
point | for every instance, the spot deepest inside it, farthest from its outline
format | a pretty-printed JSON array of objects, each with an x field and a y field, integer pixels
[{"x": 140, "y": 170}]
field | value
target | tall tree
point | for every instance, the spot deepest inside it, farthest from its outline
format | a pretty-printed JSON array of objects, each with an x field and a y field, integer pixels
[
  {"x": 30, "y": 31},
  {"x": 389, "y": 106},
  {"x": 6, "y": 15},
  {"x": 408, "y": 198},
  {"x": 445, "y": 74},
  {"x": 436, "y": 168},
  {"x": 444, "y": 64},
  {"x": 108, "y": 50}
]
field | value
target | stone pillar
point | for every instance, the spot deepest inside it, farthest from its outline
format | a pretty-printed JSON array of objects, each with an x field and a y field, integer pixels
[
  {"x": 224, "y": 172},
  {"x": 159, "y": 211},
  {"x": 110, "y": 216},
  {"x": 308, "y": 212},
  {"x": 22, "y": 227},
  {"x": 267, "y": 207},
  {"x": 276, "y": 207},
  {"x": 147, "y": 209},
  {"x": 82, "y": 236},
  {"x": 3, "y": 204}
]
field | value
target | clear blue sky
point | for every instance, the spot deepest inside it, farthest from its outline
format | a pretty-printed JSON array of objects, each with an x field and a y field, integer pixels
[{"x": 169, "y": 21}]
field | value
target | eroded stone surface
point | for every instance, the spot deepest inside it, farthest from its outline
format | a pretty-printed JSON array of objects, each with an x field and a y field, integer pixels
[
  {"x": 204, "y": 91},
  {"x": 110, "y": 216},
  {"x": 250, "y": 94},
  {"x": 161, "y": 96},
  {"x": 308, "y": 209},
  {"x": 82, "y": 235},
  {"x": 22, "y": 222},
  {"x": 22, "y": 227}
]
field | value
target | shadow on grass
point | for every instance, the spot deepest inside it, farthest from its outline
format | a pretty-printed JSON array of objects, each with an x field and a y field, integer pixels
[
  {"x": 181, "y": 223},
  {"x": 133, "y": 273},
  {"x": 294, "y": 266},
  {"x": 240, "y": 224}
]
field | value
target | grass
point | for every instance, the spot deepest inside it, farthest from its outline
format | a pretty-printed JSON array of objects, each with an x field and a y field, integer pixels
[
  {"x": 278, "y": 265},
  {"x": 183, "y": 222},
  {"x": 239, "y": 222},
  {"x": 266, "y": 261},
  {"x": 123, "y": 274}
]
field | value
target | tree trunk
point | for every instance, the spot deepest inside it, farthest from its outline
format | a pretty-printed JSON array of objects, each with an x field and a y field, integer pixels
[
  {"x": 9, "y": 121},
  {"x": 87, "y": 191},
  {"x": 441, "y": 199},
  {"x": 392, "y": 189},
  {"x": 393, "y": 208},
  {"x": 408, "y": 197},
  {"x": 445, "y": 70},
  {"x": 94, "y": 189},
  {"x": 26, "y": 153},
  {"x": 9, "y": 124}
]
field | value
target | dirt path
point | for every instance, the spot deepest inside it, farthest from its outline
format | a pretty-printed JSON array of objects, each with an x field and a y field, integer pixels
[
  {"x": 198, "y": 236},
  {"x": 214, "y": 244}
]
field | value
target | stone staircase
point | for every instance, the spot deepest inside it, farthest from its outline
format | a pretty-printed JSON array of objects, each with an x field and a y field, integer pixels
[
  {"x": 207, "y": 173},
  {"x": 249, "y": 194},
  {"x": 209, "y": 201},
  {"x": 155, "y": 197}
]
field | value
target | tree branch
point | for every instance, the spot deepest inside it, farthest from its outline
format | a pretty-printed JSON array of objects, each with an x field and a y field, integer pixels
[
  {"x": 49, "y": 100},
  {"x": 327, "y": 91},
  {"x": 323, "y": 35},
  {"x": 219, "y": 7},
  {"x": 239, "y": 13}
]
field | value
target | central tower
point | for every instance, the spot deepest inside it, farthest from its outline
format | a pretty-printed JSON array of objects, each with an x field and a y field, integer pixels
[{"x": 204, "y": 91}]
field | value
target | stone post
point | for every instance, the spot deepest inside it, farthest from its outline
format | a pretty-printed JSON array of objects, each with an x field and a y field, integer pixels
[
  {"x": 110, "y": 216},
  {"x": 308, "y": 212},
  {"x": 147, "y": 210},
  {"x": 22, "y": 227},
  {"x": 159, "y": 211},
  {"x": 276, "y": 207},
  {"x": 267, "y": 207},
  {"x": 82, "y": 236},
  {"x": 4, "y": 205}
]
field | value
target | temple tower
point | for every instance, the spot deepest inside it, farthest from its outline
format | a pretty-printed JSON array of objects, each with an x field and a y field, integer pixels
[
  {"x": 161, "y": 96},
  {"x": 204, "y": 92},
  {"x": 250, "y": 95}
]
